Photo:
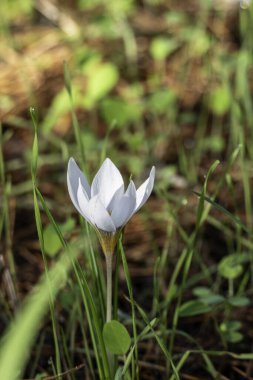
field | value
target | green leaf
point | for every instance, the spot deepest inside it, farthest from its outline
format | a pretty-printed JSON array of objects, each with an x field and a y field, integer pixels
[
  {"x": 202, "y": 291},
  {"x": 238, "y": 301},
  {"x": 213, "y": 143},
  {"x": 116, "y": 337},
  {"x": 161, "y": 101},
  {"x": 230, "y": 325},
  {"x": 213, "y": 299},
  {"x": 123, "y": 112},
  {"x": 60, "y": 106},
  {"x": 230, "y": 267},
  {"x": 41, "y": 376},
  {"x": 67, "y": 226},
  {"x": 29, "y": 319},
  {"x": 207, "y": 297},
  {"x": 199, "y": 43},
  {"x": 191, "y": 308},
  {"x": 52, "y": 243},
  {"x": 119, "y": 374},
  {"x": 230, "y": 331},
  {"x": 234, "y": 337},
  {"x": 162, "y": 47},
  {"x": 220, "y": 100},
  {"x": 67, "y": 297},
  {"x": 101, "y": 79}
]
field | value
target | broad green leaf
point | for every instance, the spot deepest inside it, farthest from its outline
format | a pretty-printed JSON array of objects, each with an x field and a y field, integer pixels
[
  {"x": 67, "y": 226},
  {"x": 212, "y": 299},
  {"x": 116, "y": 337},
  {"x": 202, "y": 291},
  {"x": 101, "y": 79},
  {"x": 191, "y": 308},
  {"x": 234, "y": 337},
  {"x": 52, "y": 242},
  {"x": 22, "y": 331},
  {"x": 239, "y": 301}
]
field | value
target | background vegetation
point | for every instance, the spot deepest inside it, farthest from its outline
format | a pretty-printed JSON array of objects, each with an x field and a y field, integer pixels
[{"x": 152, "y": 82}]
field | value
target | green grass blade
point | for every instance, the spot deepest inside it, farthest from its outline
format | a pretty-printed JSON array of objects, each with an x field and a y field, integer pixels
[
  {"x": 23, "y": 330},
  {"x": 95, "y": 327},
  {"x": 135, "y": 367}
]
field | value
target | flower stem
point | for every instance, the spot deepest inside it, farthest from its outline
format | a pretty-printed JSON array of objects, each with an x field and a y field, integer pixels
[{"x": 108, "y": 257}]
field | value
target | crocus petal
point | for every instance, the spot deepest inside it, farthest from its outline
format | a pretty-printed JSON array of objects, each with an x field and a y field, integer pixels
[
  {"x": 117, "y": 195},
  {"x": 99, "y": 215},
  {"x": 124, "y": 207},
  {"x": 73, "y": 175},
  {"x": 106, "y": 182},
  {"x": 83, "y": 202},
  {"x": 144, "y": 190}
]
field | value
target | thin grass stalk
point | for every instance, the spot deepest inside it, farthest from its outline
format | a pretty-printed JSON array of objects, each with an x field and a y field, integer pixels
[
  {"x": 35, "y": 152},
  {"x": 16, "y": 345},
  {"x": 37, "y": 355},
  {"x": 160, "y": 342},
  {"x": 135, "y": 366},
  {"x": 156, "y": 284},
  {"x": 39, "y": 228},
  {"x": 94, "y": 326},
  {"x": 66, "y": 352},
  {"x": 77, "y": 131},
  {"x": 246, "y": 185},
  {"x": 85, "y": 340},
  {"x": 97, "y": 326},
  {"x": 142, "y": 335},
  {"x": 189, "y": 254},
  {"x": 201, "y": 216},
  {"x": 5, "y": 220}
]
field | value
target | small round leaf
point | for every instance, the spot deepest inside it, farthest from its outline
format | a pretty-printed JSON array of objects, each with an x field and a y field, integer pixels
[
  {"x": 116, "y": 337},
  {"x": 231, "y": 267}
]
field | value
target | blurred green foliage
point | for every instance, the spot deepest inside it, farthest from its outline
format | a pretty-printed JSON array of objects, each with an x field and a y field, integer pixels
[{"x": 151, "y": 82}]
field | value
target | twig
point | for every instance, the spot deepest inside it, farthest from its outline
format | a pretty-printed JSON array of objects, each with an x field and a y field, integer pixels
[
  {"x": 57, "y": 16},
  {"x": 63, "y": 373}
]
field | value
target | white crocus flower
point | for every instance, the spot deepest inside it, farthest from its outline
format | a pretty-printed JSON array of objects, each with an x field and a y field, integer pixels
[{"x": 106, "y": 205}]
